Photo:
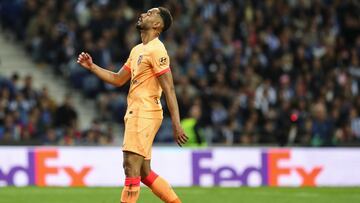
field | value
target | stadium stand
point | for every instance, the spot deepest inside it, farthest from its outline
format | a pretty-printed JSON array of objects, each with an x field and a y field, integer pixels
[{"x": 285, "y": 79}]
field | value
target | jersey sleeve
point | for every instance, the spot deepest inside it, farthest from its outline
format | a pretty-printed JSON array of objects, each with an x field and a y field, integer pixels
[
  {"x": 160, "y": 62},
  {"x": 127, "y": 64}
]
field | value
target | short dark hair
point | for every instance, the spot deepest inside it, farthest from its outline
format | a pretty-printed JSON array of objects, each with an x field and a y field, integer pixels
[{"x": 166, "y": 17}]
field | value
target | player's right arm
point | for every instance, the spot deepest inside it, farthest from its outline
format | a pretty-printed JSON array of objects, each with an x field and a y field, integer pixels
[{"x": 117, "y": 79}]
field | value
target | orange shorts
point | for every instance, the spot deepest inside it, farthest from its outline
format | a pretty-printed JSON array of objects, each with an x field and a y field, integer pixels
[{"x": 139, "y": 135}]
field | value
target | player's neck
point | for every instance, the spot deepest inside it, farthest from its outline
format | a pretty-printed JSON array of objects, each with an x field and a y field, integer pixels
[{"x": 147, "y": 36}]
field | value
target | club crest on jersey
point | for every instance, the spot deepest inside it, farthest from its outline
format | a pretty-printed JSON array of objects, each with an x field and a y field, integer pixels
[
  {"x": 139, "y": 59},
  {"x": 163, "y": 60}
]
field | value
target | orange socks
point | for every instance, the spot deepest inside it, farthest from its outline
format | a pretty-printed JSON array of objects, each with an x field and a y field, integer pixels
[
  {"x": 131, "y": 190},
  {"x": 160, "y": 188}
]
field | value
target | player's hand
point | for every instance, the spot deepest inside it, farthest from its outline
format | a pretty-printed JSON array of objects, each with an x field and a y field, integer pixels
[
  {"x": 179, "y": 135},
  {"x": 85, "y": 60}
]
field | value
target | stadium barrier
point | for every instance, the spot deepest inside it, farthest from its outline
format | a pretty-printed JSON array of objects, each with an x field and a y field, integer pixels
[{"x": 221, "y": 166}]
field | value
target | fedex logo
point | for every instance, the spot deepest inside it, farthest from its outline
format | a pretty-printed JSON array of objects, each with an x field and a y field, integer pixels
[
  {"x": 269, "y": 170},
  {"x": 37, "y": 170}
]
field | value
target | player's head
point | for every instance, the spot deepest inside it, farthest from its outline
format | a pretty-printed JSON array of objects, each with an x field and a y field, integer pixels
[{"x": 157, "y": 19}]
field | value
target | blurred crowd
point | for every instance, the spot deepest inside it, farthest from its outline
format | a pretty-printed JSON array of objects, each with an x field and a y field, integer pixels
[
  {"x": 256, "y": 72},
  {"x": 30, "y": 116}
]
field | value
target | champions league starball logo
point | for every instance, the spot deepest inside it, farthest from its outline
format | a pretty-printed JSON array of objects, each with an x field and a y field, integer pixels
[{"x": 163, "y": 60}]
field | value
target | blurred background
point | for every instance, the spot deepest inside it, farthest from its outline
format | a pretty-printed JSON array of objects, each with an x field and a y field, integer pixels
[{"x": 243, "y": 75}]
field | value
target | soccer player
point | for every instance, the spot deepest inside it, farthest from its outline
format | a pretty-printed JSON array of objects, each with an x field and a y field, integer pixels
[{"x": 148, "y": 67}]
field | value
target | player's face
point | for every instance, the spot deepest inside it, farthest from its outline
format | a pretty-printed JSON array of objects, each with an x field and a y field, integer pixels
[{"x": 149, "y": 19}]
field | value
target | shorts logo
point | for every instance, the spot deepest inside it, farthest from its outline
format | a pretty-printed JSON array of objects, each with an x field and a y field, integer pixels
[
  {"x": 163, "y": 60},
  {"x": 139, "y": 59}
]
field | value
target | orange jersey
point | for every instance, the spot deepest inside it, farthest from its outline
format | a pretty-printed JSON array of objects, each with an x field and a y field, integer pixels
[{"x": 146, "y": 63}]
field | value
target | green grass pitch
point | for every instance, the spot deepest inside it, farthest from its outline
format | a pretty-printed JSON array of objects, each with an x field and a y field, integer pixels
[{"x": 188, "y": 195}]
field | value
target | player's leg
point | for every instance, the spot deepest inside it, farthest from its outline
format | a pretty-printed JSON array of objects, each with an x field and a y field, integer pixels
[
  {"x": 159, "y": 186},
  {"x": 132, "y": 165},
  {"x": 133, "y": 158}
]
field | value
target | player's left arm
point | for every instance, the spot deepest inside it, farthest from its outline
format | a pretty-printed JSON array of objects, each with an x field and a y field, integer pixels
[{"x": 167, "y": 85}]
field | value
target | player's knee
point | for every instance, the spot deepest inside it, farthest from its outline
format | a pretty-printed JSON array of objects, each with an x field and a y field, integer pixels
[
  {"x": 144, "y": 172},
  {"x": 131, "y": 169},
  {"x": 145, "y": 169}
]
